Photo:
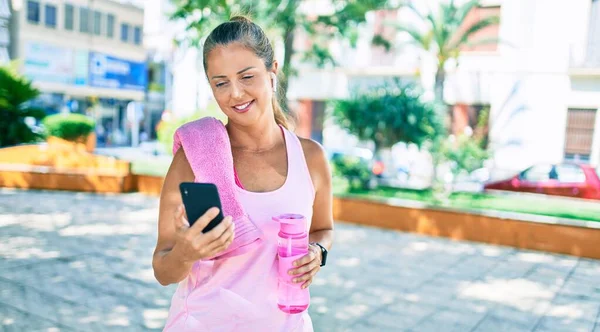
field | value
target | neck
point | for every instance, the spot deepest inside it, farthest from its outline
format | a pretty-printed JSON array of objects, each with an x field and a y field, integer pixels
[{"x": 259, "y": 137}]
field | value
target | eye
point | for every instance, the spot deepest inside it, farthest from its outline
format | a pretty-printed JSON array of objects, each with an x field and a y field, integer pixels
[
  {"x": 247, "y": 77},
  {"x": 220, "y": 84}
]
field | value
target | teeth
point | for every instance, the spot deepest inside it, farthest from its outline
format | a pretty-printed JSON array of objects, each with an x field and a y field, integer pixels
[{"x": 241, "y": 107}]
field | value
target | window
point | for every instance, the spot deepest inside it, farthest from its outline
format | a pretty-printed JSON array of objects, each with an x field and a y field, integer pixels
[
  {"x": 537, "y": 173},
  {"x": 97, "y": 23},
  {"x": 580, "y": 132},
  {"x": 137, "y": 35},
  {"x": 69, "y": 11},
  {"x": 124, "y": 32},
  {"x": 110, "y": 25},
  {"x": 50, "y": 16},
  {"x": 84, "y": 20},
  {"x": 33, "y": 11},
  {"x": 570, "y": 173}
]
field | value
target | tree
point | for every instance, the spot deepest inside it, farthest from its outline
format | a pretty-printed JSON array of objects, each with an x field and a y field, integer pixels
[
  {"x": 444, "y": 35},
  {"x": 390, "y": 114},
  {"x": 15, "y": 92},
  {"x": 281, "y": 19}
]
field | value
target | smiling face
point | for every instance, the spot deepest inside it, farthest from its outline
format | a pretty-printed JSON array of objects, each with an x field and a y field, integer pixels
[{"x": 241, "y": 84}]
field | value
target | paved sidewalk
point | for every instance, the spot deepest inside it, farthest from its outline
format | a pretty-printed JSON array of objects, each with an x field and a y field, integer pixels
[{"x": 82, "y": 262}]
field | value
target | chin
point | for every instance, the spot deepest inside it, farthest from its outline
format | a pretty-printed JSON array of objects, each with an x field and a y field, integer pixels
[{"x": 244, "y": 119}]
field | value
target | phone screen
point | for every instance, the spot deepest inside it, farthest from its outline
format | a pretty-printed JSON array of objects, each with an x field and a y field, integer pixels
[{"x": 197, "y": 199}]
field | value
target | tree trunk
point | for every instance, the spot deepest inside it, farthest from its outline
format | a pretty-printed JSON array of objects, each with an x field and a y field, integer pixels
[
  {"x": 288, "y": 50},
  {"x": 440, "y": 77}
]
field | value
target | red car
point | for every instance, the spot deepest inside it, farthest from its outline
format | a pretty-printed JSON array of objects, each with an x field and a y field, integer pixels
[{"x": 566, "y": 179}]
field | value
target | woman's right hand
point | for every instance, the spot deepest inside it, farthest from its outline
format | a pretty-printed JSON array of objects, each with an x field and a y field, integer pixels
[{"x": 192, "y": 245}]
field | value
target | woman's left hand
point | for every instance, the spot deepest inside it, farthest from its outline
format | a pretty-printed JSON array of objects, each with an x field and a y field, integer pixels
[{"x": 307, "y": 266}]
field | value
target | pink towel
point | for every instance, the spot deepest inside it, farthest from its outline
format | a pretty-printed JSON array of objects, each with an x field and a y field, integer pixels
[{"x": 207, "y": 148}]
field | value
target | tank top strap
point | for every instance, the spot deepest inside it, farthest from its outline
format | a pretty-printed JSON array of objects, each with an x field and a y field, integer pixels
[{"x": 298, "y": 173}]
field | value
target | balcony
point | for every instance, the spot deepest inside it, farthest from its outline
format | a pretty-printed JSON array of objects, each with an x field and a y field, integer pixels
[{"x": 584, "y": 60}]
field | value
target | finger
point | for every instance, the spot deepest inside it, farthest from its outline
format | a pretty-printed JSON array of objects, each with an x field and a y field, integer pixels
[
  {"x": 306, "y": 284},
  {"x": 224, "y": 239},
  {"x": 305, "y": 268},
  {"x": 203, "y": 221},
  {"x": 305, "y": 259},
  {"x": 216, "y": 232},
  {"x": 307, "y": 276},
  {"x": 223, "y": 246}
]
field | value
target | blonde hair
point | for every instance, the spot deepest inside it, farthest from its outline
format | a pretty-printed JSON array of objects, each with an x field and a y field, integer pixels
[{"x": 240, "y": 29}]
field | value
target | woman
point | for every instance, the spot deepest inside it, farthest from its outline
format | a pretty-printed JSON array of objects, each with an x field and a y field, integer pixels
[{"x": 273, "y": 167}]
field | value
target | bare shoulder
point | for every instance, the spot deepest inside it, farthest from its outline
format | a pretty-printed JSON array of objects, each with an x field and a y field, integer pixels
[
  {"x": 316, "y": 160},
  {"x": 180, "y": 169}
]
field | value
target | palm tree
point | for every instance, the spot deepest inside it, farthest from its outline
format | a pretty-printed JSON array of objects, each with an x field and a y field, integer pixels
[
  {"x": 443, "y": 36},
  {"x": 15, "y": 93}
]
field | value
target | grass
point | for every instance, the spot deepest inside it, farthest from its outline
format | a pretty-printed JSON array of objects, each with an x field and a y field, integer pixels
[
  {"x": 154, "y": 166},
  {"x": 534, "y": 204}
]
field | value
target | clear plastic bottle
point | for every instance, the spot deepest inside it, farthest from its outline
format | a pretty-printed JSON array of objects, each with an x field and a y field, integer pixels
[{"x": 292, "y": 244}]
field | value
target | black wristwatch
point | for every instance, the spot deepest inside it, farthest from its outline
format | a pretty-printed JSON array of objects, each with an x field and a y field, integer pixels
[{"x": 323, "y": 253}]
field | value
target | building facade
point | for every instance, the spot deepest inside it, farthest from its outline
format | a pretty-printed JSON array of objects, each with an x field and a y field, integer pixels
[
  {"x": 540, "y": 81},
  {"x": 85, "y": 56},
  {"x": 4, "y": 31},
  {"x": 542, "y": 84}
]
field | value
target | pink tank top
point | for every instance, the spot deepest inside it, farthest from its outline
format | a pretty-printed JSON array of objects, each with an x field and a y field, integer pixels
[{"x": 240, "y": 293}]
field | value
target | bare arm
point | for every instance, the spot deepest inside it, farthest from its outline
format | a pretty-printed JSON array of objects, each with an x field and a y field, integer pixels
[
  {"x": 321, "y": 229},
  {"x": 180, "y": 245},
  {"x": 168, "y": 268}
]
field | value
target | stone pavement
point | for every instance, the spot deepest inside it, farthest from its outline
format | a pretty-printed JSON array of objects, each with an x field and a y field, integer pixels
[{"x": 82, "y": 262}]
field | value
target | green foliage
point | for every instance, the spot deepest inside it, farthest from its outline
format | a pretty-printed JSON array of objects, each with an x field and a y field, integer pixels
[
  {"x": 15, "y": 93},
  {"x": 444, "y": 30},
  {"x": 280, "y": 19},
  {"x": 354, "y": 170},
  {"x": 166, "y": 128},
  {"x": 466, "y": 153},
  {"x": 69, "y": 126},
  {"x": 443, "y": 33},
  {"x": 390, "y": 114}
]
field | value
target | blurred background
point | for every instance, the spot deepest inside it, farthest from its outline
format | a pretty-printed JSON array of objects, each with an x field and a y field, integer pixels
[{"x": 486, "y": 108}]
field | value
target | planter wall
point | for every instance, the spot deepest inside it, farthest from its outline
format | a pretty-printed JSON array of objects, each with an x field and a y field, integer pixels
[
  {"x": 44, "y": 178},
  {"x": 545, "y": 234}
]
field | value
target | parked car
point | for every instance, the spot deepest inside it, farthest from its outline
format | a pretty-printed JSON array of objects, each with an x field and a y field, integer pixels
[{"x": 564, "y": 179}]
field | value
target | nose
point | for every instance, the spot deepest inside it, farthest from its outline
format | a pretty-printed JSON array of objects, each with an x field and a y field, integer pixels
[{"x": 237, "y": 91}]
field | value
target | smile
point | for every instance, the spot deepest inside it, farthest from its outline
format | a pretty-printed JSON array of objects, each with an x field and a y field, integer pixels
[{"x": 242, "y": 108}]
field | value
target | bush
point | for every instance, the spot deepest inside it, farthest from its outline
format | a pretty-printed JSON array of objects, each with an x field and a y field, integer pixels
[
  {"x": 352, "y": 169},
  {"x": 15, "y": 94},
  {"x": 465, "y": 153},
  {"x": 389, "y": 114},
  {"x": 70, "y": 126}
]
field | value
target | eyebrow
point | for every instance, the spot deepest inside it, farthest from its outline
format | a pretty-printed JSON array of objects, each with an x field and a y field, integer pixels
[{"x": 239, "y": 72}]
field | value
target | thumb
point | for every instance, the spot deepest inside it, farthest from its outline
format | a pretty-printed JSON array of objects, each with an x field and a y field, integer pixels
[{"x": 180, "y": 219}]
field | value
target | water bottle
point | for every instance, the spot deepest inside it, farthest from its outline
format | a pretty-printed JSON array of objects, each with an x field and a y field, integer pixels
[{"x": 292, "y": 243}]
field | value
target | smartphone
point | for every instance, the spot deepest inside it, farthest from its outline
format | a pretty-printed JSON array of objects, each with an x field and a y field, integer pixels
[{"x": 197, "y": 199}]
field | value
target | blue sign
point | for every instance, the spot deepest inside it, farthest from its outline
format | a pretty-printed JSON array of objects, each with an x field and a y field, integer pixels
[{"x": 114, "y": 73}]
